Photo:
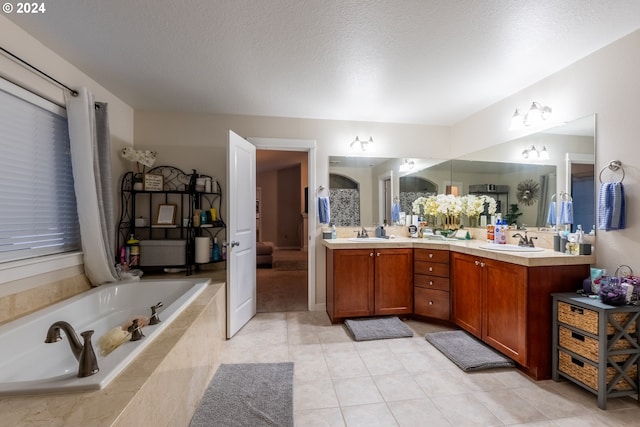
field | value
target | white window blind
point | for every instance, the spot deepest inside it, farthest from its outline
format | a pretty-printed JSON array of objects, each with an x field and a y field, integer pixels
[{"x": 38, "y": 213}]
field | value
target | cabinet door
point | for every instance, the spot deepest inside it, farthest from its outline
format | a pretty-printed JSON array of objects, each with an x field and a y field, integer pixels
[
  {"x": 466, "y": 289},
  {"x": 393, "y": 281},
  {"x": 353, "y": 282},
  {"x": 505, "y": 306}
]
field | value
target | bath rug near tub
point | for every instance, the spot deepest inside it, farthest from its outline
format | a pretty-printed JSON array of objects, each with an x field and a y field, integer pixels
[
  {"x": 467, "y": 352},
  {"x": 378, "y": 328},
  {"x": 248, "y": 394}
]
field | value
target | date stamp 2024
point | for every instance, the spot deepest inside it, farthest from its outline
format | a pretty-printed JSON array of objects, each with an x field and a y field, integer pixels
[{"x": 24, "y": 8}]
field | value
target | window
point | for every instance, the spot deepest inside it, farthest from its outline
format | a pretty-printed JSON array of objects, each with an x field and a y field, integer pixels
[{"x": 38, "y": 213}]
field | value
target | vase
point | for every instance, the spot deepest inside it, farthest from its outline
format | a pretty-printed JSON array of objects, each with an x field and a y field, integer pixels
[
  {"x": 450, "y": 222},
  {"x": 473, "y": 221}
]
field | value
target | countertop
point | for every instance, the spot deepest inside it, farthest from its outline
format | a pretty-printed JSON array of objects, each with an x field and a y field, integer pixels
[{"x": 546, "y": 257}]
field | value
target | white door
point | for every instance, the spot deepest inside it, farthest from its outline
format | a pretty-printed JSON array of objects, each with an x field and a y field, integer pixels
[{"x": 241, "y": 249}]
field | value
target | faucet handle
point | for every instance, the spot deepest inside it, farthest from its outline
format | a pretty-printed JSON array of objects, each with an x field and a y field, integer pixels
[{"x": 154, "y": 319}]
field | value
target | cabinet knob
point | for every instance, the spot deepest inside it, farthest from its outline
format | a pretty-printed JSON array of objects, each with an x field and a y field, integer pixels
[
  {"x": 430, "y": 302},
  {"x": 430, "y": 268},
  {"x": 482, "y": 264},
  {"x": 430, "y": 282},
  {"x": 430, "y": 255},
  {"x": 477, "y": 262},
  {"x": 371, "y": 254},
  {"x": 377, "y": 253}
]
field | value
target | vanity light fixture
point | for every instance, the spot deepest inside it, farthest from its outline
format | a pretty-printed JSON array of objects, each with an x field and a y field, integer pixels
[
  {"x": 536, "y": 114},
  {"x": 407, "y": 165},
  {"x": 534, "y": 153},
  {"x": 361, "y": 144}
]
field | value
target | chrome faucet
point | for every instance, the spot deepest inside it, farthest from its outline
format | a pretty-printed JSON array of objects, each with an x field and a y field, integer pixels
[
  {"x": 84, "y": 354},
  {"x": 154, "y": 319},
  {"x": 524, "y": 240},
  {"x": 363, "y": 234}
]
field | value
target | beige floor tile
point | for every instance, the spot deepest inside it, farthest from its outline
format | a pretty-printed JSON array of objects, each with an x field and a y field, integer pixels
[
  {"x": 382, "y": 362},
  {"x": 465, "y": 410},
  {"x": 551, "y": 403},
  {"x": 436, "y": 383},
  {"x": 356, "y": 391},
  {"x": 346, "y": 366},
  {"x": 315, "y": 394},
  {"x": 374, "y": 415},
  {"x": 398, "y": 387},
  {"x": 418, "y": 412},
  {"x": 329, "y": 417},
  {"x": 311, "y": 369},
  {"x": 509, "y": 407}
]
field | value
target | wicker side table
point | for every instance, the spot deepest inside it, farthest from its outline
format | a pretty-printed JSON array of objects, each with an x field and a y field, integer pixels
[{"x": 595, "y": 345}]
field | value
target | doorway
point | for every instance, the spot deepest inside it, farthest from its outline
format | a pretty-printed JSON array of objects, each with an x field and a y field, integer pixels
[{"x": 281, "y": 218}]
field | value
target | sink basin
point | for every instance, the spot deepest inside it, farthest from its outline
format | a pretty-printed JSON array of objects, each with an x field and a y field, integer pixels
[
  {"x": 510, "y": 248},
  {"x": 368, "y": 239}
]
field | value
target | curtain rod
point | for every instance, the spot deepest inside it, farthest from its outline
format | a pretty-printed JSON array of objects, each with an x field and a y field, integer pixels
[{"x": 38, "y": 71}]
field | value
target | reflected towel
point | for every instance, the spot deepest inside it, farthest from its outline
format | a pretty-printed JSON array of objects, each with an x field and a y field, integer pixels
[
  {"x": 566, "y": 212},
  {"x": 395, "y": 213},
  {"x": 324, "y": 212},
  {"x": 611, "y": 206},
  {"x": 551, "y": 216}
]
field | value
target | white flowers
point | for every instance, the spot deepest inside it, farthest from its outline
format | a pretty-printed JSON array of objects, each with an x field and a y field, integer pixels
[
  {"x": 141, "y": 157},
  {"x": 450, "y": 205}
]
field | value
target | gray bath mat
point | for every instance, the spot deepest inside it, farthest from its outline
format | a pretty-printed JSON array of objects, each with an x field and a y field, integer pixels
[
  {"x": 377, "y": 328},
  {"x": 467, "y": 352},
  {"x": 251, "y": 394}
]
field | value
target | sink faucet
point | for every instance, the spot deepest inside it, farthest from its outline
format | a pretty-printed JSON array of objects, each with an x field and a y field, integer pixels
[
  {"x": 524, "y": 240},
  {"x": 84, "y": 354},
  {"x": 363, "y": 234}
]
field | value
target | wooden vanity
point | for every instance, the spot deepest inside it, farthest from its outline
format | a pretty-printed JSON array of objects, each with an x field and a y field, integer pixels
[{"x": 502, "y": 298}]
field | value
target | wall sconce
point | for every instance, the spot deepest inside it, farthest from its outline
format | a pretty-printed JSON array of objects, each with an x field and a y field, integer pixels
[
  {"x": 535, "y": 154},
  {"x": 407, "y": 165},
  {"x": 362, "y": 145},
  {"x": 537, "y": 113}
]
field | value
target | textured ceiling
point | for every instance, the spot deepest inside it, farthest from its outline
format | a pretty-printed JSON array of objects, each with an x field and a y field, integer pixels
[{"x": 407, "y": 61}]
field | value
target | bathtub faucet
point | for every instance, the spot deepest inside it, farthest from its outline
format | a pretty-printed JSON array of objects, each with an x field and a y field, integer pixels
[{"x": 84, "y": 354}]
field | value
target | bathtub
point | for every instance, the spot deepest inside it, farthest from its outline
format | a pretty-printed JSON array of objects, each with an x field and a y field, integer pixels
[{"x": 28, "y": 365}]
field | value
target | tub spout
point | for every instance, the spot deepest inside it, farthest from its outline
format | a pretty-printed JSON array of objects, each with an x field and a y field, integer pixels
[{"x": 84, "y": 354}]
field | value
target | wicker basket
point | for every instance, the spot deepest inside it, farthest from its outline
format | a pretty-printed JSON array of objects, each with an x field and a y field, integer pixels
[
  {"x": 587, "y": 320},
  {"x": 586, "y": 346},
  {"x": 588, "y": 374}
]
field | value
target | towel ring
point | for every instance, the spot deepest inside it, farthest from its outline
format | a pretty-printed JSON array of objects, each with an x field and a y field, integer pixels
[
  {"x": 615, "y": 166},
  {"x": 322, "y": 189}
]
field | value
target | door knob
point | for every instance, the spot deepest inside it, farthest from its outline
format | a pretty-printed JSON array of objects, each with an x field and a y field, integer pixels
[{"x": 234, "y": 243}]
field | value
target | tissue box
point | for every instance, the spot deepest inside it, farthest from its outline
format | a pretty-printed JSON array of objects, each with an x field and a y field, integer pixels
[{"x": 163, "y": 252}]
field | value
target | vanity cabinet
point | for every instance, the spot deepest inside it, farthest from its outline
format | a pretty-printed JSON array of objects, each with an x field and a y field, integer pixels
[
  {"x": 368, "y": 282},
  {"x": 431, "y": 283},
  {"x": 508, "y": 306}
]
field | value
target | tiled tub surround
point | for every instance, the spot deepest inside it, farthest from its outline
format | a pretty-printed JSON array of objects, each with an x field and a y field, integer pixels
[
  {"x": 29, "y": 365},
  {"x": 162, "y": 386}
]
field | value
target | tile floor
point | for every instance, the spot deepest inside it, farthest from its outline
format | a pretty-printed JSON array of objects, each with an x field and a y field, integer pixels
[{"x": 407, "y": 382}]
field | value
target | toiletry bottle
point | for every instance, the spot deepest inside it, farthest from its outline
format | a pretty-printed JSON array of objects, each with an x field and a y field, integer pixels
[
  {"x": 216, "y": 250},
  {"x": 334, "y": 232},
  {"x": 134, "y": 251},
  {"x": 579, "y": 233},
  {"x": 497, "y": 232},
  {"x": 490, "y": 233}
]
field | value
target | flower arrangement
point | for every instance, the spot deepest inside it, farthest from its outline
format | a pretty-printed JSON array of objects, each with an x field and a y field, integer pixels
[
  {"x": 448, "y": 207},
  {"x": 146, "y": 158}
]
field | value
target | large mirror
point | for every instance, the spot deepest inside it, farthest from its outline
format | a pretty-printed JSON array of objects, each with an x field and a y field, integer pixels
[{"x": 363, "y": 190}]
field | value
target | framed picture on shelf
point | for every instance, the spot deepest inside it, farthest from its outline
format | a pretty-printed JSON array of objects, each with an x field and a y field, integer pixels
[
  {"x": 153, "y": 182},
  {"x": 166, "y": 215}
]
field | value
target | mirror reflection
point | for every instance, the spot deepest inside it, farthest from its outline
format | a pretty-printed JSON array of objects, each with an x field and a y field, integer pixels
[{"x": 524, "y": 175}]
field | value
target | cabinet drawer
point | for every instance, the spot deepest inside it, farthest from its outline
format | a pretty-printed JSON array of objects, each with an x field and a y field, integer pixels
[
  {"x": 431, "y": 303},
  {"x": 588, "y": 374},
  {"x": 433, "y": 255},
  {"x": 430, "y": 268},
  {"x": 587, "y": 320},
  {"x": 586, "y": 346},
  {"x": 431, "y": 282}
]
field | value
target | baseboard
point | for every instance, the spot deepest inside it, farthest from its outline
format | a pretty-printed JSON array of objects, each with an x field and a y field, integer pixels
[{"x": 319, "y": 307}]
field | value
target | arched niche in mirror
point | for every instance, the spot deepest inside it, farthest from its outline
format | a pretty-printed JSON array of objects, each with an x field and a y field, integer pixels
[
  {"x": 412, "y": 187},
  {"x": 344, "y": 199}
]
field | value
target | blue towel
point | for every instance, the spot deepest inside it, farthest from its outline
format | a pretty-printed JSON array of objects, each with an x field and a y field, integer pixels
[
  {"x": 611, "y": 206},
  {"x": 551, "y": 216},
  {"x": 324, "y": 212},
  {"x": 566, "y": 212},
  {"x": 395, "y": 213}
]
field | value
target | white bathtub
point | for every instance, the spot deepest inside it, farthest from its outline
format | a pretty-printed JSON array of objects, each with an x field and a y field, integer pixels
[{"x": 28, "y": 365}]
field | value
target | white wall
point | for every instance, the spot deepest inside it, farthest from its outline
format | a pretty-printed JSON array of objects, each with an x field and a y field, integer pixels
[
  {"x": 21, "y": 44},
  {"x": 606, "y": 83}
]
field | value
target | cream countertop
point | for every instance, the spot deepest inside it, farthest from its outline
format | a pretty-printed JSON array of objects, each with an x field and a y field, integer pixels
[{"x": 546, "y": 257}]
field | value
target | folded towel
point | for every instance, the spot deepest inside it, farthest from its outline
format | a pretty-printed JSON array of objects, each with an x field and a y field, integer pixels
[
  {"x": 324, "y": 212},
  {"x": 395, "y": 213},
  {"x": 551, "y": 216},
  {"x": 611, "y": 206},
  {"x": 566, "y": 212}
]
